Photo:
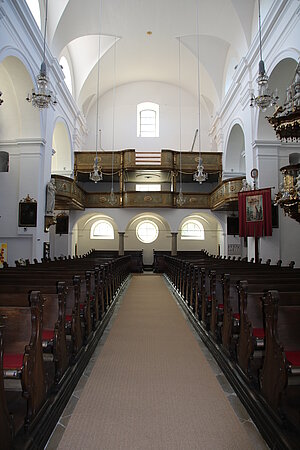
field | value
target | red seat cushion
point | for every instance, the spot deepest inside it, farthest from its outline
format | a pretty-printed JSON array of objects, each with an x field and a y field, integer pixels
[
  {"x": 209, "y": 298},
  {"x": 220, "y": 306},
  {"x": 12, "y": 361},
  {"x": 48, "y": 335},
  {"x": 258, "y": 333},
  {"x": 293, "y": 358},
  {"x": 236, "y": 316},
  {"x": 68, "y": 318}
]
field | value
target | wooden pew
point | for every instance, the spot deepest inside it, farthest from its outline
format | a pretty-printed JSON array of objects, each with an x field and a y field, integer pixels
[
  {"x": 23, "y": 354},
  {"x": 252, "y": 321},
  {"x": 6, "y": 425},
  {"x": 282, "y": 354},
  {"x": 73, "y": 326},
  {"x": 54, "y": 317},
  {"x": 37, "y": 279}
]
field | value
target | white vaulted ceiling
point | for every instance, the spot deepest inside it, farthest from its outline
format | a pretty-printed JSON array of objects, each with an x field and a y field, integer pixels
[{"x": 225, "y": 33}]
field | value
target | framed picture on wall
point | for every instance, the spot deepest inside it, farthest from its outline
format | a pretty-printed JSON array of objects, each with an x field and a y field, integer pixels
[
  {"x": 62, "y": 224},
  {"x": 27, "y": 212}
]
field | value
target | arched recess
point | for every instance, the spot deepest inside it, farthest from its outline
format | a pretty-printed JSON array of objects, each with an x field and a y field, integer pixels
[
  {"x": 162, "y": 242},
  {"x": 62, "y": 161},
  {"x": 280, "y": 78},
  {"x": 81, "y": 234},
  {"x": 234, "y": 158},
  {"x": 213, "y": 234},
  {"x": 18, "y": 118}
]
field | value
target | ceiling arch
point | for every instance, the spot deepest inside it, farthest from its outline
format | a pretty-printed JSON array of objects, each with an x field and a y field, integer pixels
[{"x": 223, "y": 25}]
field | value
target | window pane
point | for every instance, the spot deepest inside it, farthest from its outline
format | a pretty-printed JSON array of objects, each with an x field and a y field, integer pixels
[
  {"x": 147, "y": 231},
  {"x": 102, "y": 230},
  {"x": 147, "y": 120},
  {"x": 147, "y": 187},
  {"x": 192, "y": 229}
]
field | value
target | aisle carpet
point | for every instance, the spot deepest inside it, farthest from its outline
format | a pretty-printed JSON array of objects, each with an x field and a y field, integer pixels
[{"x": 151, "y": 387}]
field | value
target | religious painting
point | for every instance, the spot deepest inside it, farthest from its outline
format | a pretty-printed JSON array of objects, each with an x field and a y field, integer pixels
[
  {"x": 62, "y": 224},
  {"x": 255, "y": 218},
  {"x": 254, "y": 208},
  {"x": 3, "y": 254},
  {"x": 27, "y": 213}
]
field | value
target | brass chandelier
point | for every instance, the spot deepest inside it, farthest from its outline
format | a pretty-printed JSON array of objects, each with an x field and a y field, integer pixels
[
  {"x": 265, "y": 98},
  {"x": 200, "y": 176},
  {"x": 42, "y": 97},
  {"x": 96, "y": 174}
]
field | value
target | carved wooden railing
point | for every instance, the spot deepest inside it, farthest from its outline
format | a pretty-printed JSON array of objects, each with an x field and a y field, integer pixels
[
  {"x": 170, "y": 160},
  {"x": 226, "y": 193},
  {"x": 70, "y": 196}
]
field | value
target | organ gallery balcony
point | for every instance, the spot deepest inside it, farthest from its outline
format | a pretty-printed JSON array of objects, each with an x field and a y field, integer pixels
[{"x": 147, "y": 180}]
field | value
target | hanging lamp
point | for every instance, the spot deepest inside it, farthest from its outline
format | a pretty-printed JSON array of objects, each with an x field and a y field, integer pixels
[
  {"x": 96, "y": 174},
  {"x": 180, "y": 200},
  {"x": 43, "y": 97},
  {"x": 199, "y": 175},
  {"x": 265, "y": 98},
  {"x": 112, "y": 200}
]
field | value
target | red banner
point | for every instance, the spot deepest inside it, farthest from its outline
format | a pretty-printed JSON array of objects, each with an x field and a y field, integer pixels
[{"x": 255, "y": 214}]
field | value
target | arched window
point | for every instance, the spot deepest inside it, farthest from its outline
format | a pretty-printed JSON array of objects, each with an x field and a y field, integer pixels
[
  {"x": 67, "y": 73},
  {"x": 102, "y": 229},
  {"x": 147, "y": 119},
  {"x": 192, "y": 229},
  {"x": 35, "y": 10},
  {"x": 147, "y": 231}
]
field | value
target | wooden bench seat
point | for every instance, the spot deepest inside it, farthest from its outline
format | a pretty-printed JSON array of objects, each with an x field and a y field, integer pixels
[
  {"x": 23, "y": 355},
  {"x": 39, "y": 280},
  {"x": 6, "y": 423},
  {"x": 282, "y": 356},
  {"x": 54, "y": 317}
]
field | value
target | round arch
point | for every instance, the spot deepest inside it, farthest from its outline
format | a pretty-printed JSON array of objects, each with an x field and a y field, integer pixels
[
  {"x": 213, "y": 233},
  {"x": 234, "y": 157},
  {"x": 162, "y": 241},
  {"x": 19, "y": 119},
  {"x": 81, "y": 234},
  {"x": 62, "y": 154}
]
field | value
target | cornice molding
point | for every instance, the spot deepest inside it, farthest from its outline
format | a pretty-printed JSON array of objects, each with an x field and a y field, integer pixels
[{"x": 23, "y": 141}]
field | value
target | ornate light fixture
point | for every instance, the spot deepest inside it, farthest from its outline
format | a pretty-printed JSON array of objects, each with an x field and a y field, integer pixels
[
  {"x": 96, "y": 174},
  {"x": 199, "y": 175},
  {"x": 288, "y": 196},
  {"x": 1, "y": 99},
  {"x": 286, "y": 118},
  {"x": 43, "y": 97},
  {"x": 112, "y": 200},
  {"x": 265, "y": 97},
  {"x": 180, "y": 200}
]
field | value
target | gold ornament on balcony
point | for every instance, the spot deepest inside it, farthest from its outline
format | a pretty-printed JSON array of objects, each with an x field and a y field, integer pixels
[{"x": 288, "y": 196}]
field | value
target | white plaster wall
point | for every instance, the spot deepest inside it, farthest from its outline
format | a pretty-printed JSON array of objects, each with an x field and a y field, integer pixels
[
  {"x": 127, "y": 98},
  {"x": 267, "y": 153},
  {"x": 127, "y": 220}
]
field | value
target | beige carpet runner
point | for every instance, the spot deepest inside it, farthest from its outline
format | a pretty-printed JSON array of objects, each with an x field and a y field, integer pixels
[{"x": 151, "y": 387}]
